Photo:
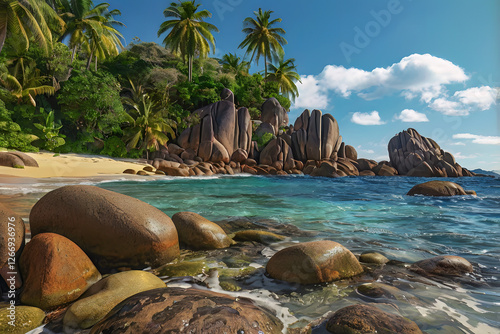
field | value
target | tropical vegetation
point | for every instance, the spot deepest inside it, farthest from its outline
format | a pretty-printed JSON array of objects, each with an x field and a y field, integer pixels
[{"x": 67, "y": 83}]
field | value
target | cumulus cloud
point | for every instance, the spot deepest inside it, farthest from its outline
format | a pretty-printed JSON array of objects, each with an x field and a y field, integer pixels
[
  {"x": 449, "y": 108},
  {"x": 415, "y": 75},
  {"x": 410, "y": 115},
  {"x": 459, "y": 155},
  {"x": 311, "y": 94},
  {"x": 362, "y": 118},
  {"x": 478, "y": 139},
  {"x": 480, "y": 97}
]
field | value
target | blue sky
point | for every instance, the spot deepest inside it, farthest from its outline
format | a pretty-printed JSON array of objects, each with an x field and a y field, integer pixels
[{"x": 378, "y": 66}]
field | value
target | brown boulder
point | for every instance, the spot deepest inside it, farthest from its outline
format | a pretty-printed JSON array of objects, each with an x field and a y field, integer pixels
[
  {"x": 10, "y": 160},
  {"x": 350, "y": 152},
  {"x": 365, "y": 164},
  {"x": 240, "y": 155},
  {"x": 55, "y": 270},
  {"x": 198, "y": 232},
  {"x": 244, "y": 129},
  {"x": 175, "y": 171},
  {"x": 115, "y": 230},
  {"x": 313, "y": 145},
  {"x": 262, "y": 237},
  {"x": 366, "y": 173},
  {"x": 360, "y": 319},
  {"x": 176, "y": 310},
  {"x": 437, "y": 188},
  {"x": 326, "y": 169},
  {"x": 329, "y": 135},
  {"x": 444, "y": 265},
  {"x": 313, "y": 262},
  {"x": 274, "y": 113}
]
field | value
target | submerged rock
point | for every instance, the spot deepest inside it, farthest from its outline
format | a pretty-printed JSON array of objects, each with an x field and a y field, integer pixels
[
  {"x": 263, "y": 237},
  {"x": 445, "y": 265},
  {"x": 361, "y": 319},
  {"x": 198, "y": 232},
  {"x": 437, "y": 188},
  {"x": 55, "y": 271},
  {"x": 100, "y": 298},
  {"x": 313, "y": 262},
  {"x": 25, "y": 318},
  {"x": 176, "y": 310},
  {"x": 373, "y": 257},
  {"x": 115, "y": 230}
]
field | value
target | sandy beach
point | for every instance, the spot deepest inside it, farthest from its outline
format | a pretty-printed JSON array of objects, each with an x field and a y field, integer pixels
[{"x": 71, "y": 165}]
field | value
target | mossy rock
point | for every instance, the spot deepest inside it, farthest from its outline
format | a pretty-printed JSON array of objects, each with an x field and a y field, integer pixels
[
  {"x": 229, "y": 286},
  {"x": 185, "y": 268},
  {"x": 262, "y": 237},
  {"x": 27, "y": 318},
  {"x": 373, "y": 257},
  {"x": 236, "y": 272}
]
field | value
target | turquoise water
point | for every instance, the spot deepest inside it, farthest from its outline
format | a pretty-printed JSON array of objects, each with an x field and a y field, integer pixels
[{"x": 362, "y": 213}]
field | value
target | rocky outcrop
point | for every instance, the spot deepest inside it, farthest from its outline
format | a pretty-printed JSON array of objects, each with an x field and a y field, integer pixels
[
  {"x": 444, "y": 265},
  {"x": 369, "y": 319},
  {"x": 313, "y": 262},
  {"x": 278, "y": 154},
  {"x": 101, "y": 297},
  {"x": 221, "y": 131},
  {"x": 177, "y": 310},
  {"x": 115, "y": 230},
  {"x": 198, "y": 232},
  {"x": 274, "y": 114},
  {"x": 439, "y": 188},
  {"x": 415, "y": 155},
  {"x": 56, "y": 271},
  {"x": 315, "y": 137}
]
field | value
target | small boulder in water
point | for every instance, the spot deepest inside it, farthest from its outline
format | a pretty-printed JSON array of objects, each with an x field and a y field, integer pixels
[
  {"x": 313, "y": 262},
  {"x": 373, "y": 257},
  {"x": 437, "y": 188},
  {"x": 198, "y": 232},
  {"x": 359, "y": 319},
  {"x": 262, "y": 237},
  {"x": 444, "y": 265}
]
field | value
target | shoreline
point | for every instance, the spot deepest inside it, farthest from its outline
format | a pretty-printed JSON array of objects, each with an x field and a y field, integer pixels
[{"x": 71, "y": 165}]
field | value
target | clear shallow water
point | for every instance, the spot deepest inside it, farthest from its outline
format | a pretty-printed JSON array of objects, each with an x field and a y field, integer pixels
[{"x": 362, "y": 213}]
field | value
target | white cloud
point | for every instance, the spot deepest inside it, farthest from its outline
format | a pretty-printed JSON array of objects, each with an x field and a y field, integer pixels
[
  {"x": 362, "y": 118},
  {"x": 410, "y": 115},
  {"x": 459, "y": 155},
  {"x": 479, "y": 139},
  {"x": 458, "y": 143},
  {"x": 311, "y": 94},
  {"x": 480, "y": 97},
  {"x": 415, "y": 75},
  {"x": 449, "y": 108}
]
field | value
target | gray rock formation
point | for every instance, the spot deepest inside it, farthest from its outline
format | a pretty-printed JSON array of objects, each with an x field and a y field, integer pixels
[{"x": 415, "y": 155}]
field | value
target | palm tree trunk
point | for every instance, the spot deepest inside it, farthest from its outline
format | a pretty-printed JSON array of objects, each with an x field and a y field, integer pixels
[
  {"x": 190, "y": 68},
  {"x": 90, "y": 59},
  {"x": 73, "y": 54},
  {"x": 95, "y": 68},
  {"x": 265, "y": 66}
]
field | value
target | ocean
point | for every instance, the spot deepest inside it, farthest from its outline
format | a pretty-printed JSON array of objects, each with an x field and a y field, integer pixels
[{"x": 361, "y": 213}]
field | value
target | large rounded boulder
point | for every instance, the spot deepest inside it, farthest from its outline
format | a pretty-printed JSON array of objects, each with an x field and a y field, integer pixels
[
  {"x": 437, "y": 188},
  {"x": 360, "y": 319},
  {"x": 55, "y": 271},
  {"x": 176, "y": 310},
  {"x": 115, "y": 230},
  {"x": 20, "y": 319},
  {"x": 198, "y": 232},
  {"x": 101, "y": 297},
  {"x": 313, "y": 262}
]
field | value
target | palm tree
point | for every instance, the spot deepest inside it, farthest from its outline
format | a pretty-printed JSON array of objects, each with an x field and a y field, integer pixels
[
  {"x": 25, "y": 82},
  {"x": 23, "y": 19},
  {"x": 90, "y": 27},
  {"x": 232, "y": 63},
  {"x": 149, "y": 127},
  {"x": 189, "y": 34},
  {"x": 263, "y": 38},
  {"x": 285, "y": 75}
]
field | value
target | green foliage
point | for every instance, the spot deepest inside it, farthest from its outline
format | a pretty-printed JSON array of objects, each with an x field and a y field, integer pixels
[
  {"x": 194, "y": 95},
  {"x": 11, "y": 135},
  {"x": 49, "y": 131},
  {"x": 263, "y": 140},
  {"x": 114, "y": 147},
  {"x": 90, "y": 102}
]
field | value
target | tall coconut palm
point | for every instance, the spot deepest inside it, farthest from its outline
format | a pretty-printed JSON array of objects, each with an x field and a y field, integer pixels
[
  {"x": 285, "y": 75},
  {"x": 23, "y": 19},
  {"x": 90, "y": 27},
  {"x": 234, "y": 64},
  {"x": 263, "y": 38},
  {"x": 189, "y": 34}
]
